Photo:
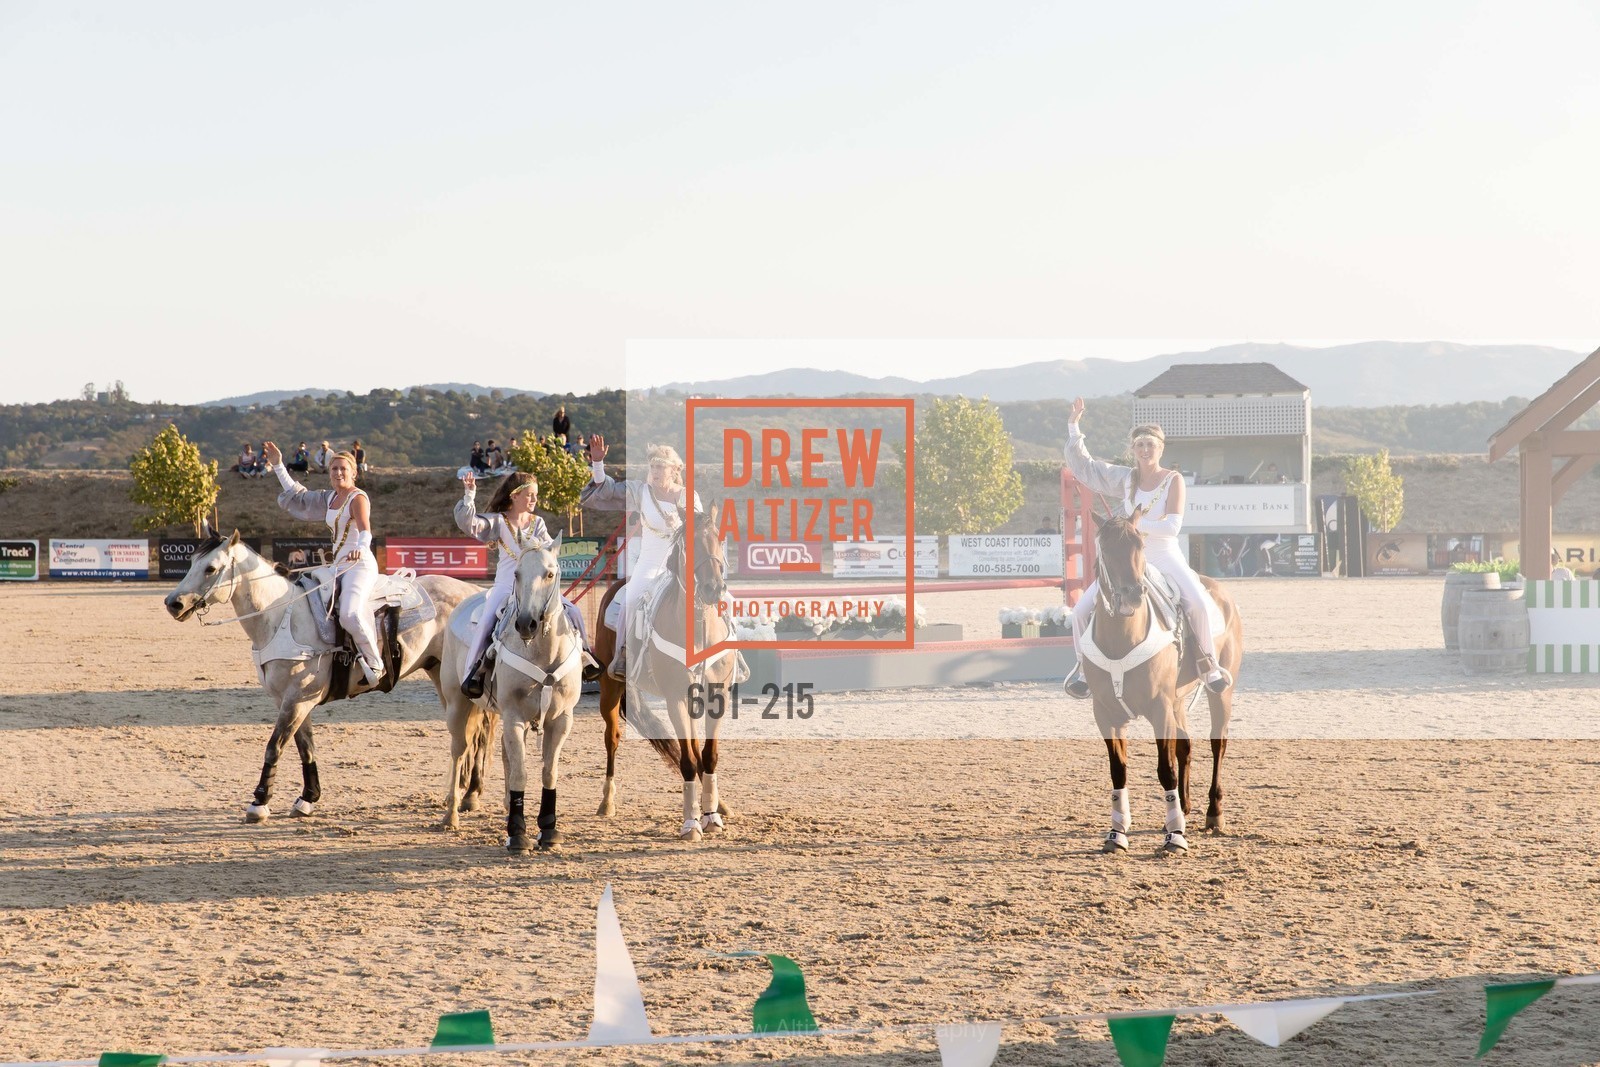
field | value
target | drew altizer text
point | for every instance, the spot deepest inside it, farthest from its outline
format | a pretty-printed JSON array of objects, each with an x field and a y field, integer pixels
[{"x": 810, "y": 518}]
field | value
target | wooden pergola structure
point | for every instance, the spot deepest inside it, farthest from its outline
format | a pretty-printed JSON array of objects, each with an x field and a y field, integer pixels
[{"x": 1541, "y": 435}]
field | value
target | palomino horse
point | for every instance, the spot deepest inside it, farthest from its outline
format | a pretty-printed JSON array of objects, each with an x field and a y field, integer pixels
[
  {"x": 538, "y": 677},
  {"x": 271, "y": 610},
  {"x": 663, "y": 673},
  {"x": 1156, "y": 688}
]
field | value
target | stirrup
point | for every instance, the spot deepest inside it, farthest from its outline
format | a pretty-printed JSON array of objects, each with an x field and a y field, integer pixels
[
  {"x": 1076, "y": 685},
  {"x": 618, "y": 667},
  {"x": 473, "y": 684},
  {"x": 372, "y": 673},
  {"x": 1219, "y": 684}
]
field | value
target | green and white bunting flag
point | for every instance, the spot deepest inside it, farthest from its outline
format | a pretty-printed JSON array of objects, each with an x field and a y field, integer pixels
[
  {"x": 1273, "y": 1024},
  {"x": 1502, "y": 1003},
  {"x": 463, "y": 1029},
  {"x": 619, "y": 1016},
  {"x": 782, "y": 1007},
  {"x": 968, "y": 1044},
  {"x": 1141, "y": 1040},
  {"x": 131, "y": 1059}
]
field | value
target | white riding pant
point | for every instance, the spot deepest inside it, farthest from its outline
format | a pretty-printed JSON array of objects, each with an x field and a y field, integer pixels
[
  {"x": 1197, "y": 603},
  {"x": 498, "y": 594},
  {"x": 355, "y": 614}
]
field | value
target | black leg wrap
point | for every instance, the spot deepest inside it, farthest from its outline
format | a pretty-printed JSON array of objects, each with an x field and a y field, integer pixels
[
  {"x": 516, "y": 825},
  {"x": 548, "y": 834},
  {"x": 313, "y": 784}
]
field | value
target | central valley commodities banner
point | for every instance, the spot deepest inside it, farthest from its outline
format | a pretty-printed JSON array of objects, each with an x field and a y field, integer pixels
[
  {"x": 99, "y": 559},
  {"x": 19, "y": 561},
  {"x": 1006, "y": 555},
  {"x": 884, "y": 557}
]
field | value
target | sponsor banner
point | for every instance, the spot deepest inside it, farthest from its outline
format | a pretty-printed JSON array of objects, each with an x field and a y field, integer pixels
[
  {"x": 1396, "y": 554},
  {"x": 1446, "y": 550},
  {"x": 1005, "y": 555},
  {"x": 1579, "y": 553},
  {"x": 298, "y": 552},
  {"x": 174, "y": 554},
  {"x": 458, "y": 557},
  {"x": 779, "y": 557},
  {"x": 1259, "y": 555},
  {"x": 576, "y": 555},
  {"x": 19, "y": 561},
  {"x": 99, "y": 558},
  {"x": 1222, "y": 507},
  {"x": 885, "y": 558}
]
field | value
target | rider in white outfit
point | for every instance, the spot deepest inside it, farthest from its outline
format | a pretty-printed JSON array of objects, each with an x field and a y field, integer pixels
[
  {"x": 510, "y": 524},
  {"x": 348, "y": 513},
  {"x": 656, "y": 503},
  {"x": 1161, "y": 493}
]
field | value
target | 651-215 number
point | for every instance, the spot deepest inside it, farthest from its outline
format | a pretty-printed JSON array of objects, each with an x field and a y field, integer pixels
[{"x": 715, "y": 700}]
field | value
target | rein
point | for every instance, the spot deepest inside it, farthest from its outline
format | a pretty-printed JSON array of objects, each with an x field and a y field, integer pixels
[{"x": 206, "y": 603}]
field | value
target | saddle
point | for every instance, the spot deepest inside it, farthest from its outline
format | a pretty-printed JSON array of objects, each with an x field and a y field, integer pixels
[{"x": 399, "y": 604}]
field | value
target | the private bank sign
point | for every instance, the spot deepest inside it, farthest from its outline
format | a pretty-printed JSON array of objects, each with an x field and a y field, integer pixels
[{"x": 803, "y": 488}]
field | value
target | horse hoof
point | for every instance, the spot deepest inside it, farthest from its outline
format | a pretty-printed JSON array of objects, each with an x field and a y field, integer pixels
[
  {"x": 690, "y": 831},
  {"x": 449, "y": 822},
  {"x": 257, "y": 813},
  {"x": 1175, "y": 842},
  {"x": 1214, "y": 824},
  {"x": 472, "y": 803},
  {"x": 518, "y": 844},
  {"x": 301, "y": 809},
  {"x": 1116, "y": 841},
  {"x": 550, "y": 840},
  {"x": 607, "y": 809},
  {"x": 711, "y": 823},
  {"x": 722, "y": 809}
]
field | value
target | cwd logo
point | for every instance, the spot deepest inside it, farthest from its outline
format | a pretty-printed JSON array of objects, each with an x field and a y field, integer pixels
[{"x": 782, "y": 557}]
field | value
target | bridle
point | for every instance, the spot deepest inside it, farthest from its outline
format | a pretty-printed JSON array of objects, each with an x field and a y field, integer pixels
[{"x": 1110, "y": 593}]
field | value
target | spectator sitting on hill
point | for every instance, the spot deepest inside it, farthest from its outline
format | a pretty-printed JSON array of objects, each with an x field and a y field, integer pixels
[
  {"x": 493, "y": 456},
  {"x": 476, "y": 460},
  {"x": 561, "y": 426},
  {"x": 361, "y": 456},
  {"x": 248, "y": 466},
  {"x": 301, "y": 461},
  {"x": 322, "y": 456}
]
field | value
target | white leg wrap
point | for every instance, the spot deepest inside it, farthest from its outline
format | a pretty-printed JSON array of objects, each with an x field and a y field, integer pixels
[
  {"x": 257, "y": 813},
  {"x": 691, "y": 814},
  {"x": 708, "y": 795},
  {"x": 1175, "y": 817},
  {"x": 301, "y": 808},
  {"x": 1120, "y": 820}
]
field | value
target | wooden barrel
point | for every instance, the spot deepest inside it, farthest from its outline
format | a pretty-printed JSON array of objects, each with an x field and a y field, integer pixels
[
  {"x": 1456, "y": 583},
  {"x": 1494, "y": 631}
]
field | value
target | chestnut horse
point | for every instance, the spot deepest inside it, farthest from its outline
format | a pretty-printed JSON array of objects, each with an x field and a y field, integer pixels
[
  {"x": 1157, "y": 688},
  {"x": 663, "y": 673}
]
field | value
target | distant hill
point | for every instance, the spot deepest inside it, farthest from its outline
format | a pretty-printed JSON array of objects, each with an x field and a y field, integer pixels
[
  {"x": 1366, "y": 374},
  {"x": 278, "y": 396}
]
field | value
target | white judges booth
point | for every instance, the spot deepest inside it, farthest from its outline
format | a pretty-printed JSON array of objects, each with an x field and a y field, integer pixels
[{"x": 1241, "y": 433}]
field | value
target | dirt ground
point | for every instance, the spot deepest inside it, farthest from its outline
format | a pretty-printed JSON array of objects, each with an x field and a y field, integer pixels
[{"x": 1438, "y": 831}]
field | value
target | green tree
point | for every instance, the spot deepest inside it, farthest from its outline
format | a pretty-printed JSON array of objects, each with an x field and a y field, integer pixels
[
  {"x": 171, "y": 481},
  {"x": 1379, "y": 490},
  {"x": 966, "y": 482},
  {"x": 561, "y": 474}
]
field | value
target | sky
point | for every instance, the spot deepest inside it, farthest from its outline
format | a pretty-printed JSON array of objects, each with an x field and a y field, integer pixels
[{"x": 205, "y": 200}]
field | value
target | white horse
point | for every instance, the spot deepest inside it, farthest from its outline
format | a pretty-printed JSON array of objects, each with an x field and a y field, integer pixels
[
  {"x": 294, "y": 664},
  {"x": 538, "y": 678}
]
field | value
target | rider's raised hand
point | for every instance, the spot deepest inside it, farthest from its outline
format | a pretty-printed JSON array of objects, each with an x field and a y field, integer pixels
[
  {"x": 470, "y": 481},
  {"x": 597, "y": 448},
  {"x": 1077, "y": 410}
]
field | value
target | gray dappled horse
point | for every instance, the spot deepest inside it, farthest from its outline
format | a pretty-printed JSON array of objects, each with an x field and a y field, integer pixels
[
  {"x": 268, "y": 605},
  {"x": 1157, "y": 688},
  {"x": 537, "y": 679}
]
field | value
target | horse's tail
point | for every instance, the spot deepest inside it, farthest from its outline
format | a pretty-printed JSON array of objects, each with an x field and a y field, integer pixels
[{"x": 650, "y": 726}]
